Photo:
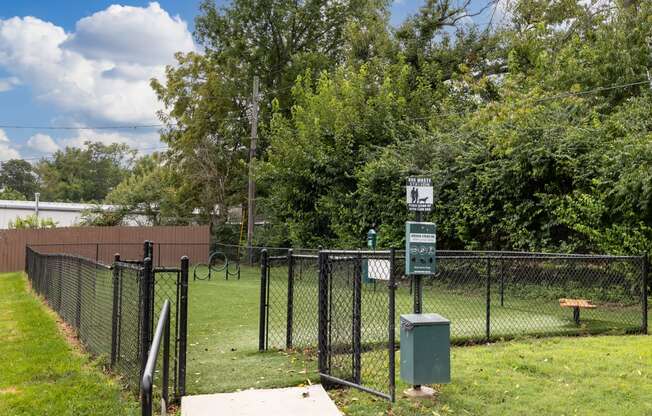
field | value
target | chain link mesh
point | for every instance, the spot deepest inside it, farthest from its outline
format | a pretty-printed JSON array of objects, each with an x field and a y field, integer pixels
[
  {"x": 486, "y": 295},
  {"x": 82, "y": 291},
  {"x": 166, "y": 287},
  {"x": 105, "y": 306}
]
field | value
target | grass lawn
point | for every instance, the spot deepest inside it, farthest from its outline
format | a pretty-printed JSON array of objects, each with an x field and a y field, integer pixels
[
  {"x": 42, "y": 374},
  {"x": 602, "y": 375},
  {"x": 587, "y": 375}
]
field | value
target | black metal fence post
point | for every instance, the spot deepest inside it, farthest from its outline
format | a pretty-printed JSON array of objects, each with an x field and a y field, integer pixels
[
  {"x": 145, "y": 291},
  {"x": 79, "y": 298},
  {"x": 488, "y": 328},
  {"x": 114, "y": 313},
  {"x": 322, "y": 325},
  {"x": 502, "y": 281},
  {"x": 391, "y": 325},
  {"x": 357, "y": 320},
  {"x": 644, "y": 294},
  {"x": 59, "y": 286},
  {"x": 263, "y": 302},
  {"x": 145, "y": 249},
  {"x": 183, "y": 327},
  {"x": 290, "y": 301}
]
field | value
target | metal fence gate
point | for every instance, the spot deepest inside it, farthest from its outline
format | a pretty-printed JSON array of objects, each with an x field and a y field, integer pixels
[{"x": 356, "y": 331}]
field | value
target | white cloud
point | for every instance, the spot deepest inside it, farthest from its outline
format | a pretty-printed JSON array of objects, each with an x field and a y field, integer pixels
[
  {"x": 147, "y": 36},
  {"x": 42, "y": 143},
  {"x": 6, "y": 150},
  {"x": 102, "y": 71},
  {"x": 7, "y": 84}
]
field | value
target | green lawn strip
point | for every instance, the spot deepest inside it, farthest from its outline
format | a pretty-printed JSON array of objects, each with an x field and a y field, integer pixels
[
  {"x": 42, "y": 374},
  {"x": 223, "y": 340},
  {"x": 562, "y": 376}
]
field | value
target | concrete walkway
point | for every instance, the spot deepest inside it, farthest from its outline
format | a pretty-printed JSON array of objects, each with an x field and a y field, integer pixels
[{"x": 293, "y": 401}]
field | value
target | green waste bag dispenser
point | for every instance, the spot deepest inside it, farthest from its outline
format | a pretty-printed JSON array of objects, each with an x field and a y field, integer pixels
[{"x": 425, "y": 349}]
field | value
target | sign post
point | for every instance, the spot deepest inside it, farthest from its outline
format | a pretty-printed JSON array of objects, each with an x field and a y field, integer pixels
[{"x": 420, "y": 243}]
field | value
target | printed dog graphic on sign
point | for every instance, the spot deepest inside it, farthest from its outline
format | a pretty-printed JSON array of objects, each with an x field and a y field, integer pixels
[{"x": 423, "y": 200}]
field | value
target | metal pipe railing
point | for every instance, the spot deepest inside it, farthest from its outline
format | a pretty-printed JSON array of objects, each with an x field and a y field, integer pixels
[{"x": 147, "y": 383}]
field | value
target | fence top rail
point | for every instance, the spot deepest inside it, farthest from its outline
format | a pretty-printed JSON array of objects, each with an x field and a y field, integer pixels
[
  {"x": 539, "y": 258},
  {"x": 128, "y": 265},
  {"x": 167, "y": 270},
  {"x": 305, "y": 256},
  {"x": 360, "y": 252},
  {"x": 74, "y": 257}
]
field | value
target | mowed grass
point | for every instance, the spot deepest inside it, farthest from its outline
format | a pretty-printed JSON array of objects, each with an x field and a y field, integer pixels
[
  {"x": 223, "y": 339},
  {"x": 601, "y": 375},
  {"x": 577, "y": 375},
  {"x": 41, "y": 373}
]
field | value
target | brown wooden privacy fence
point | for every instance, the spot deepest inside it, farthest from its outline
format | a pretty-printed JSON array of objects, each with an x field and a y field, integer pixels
[{"x": 102, "y": 243}]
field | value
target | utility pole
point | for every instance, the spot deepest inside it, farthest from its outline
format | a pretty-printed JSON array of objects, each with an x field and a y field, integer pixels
[
  {"x": 36, "y": 201},
  {"x": 251, "y": 205}
]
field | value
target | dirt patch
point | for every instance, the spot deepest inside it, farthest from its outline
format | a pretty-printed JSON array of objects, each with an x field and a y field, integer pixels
[
  {"x": 9, "y": 390},
  {"x": 70, "y": 334}
]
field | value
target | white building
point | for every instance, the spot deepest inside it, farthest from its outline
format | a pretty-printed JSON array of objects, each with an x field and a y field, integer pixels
[{"x": 64, "y": 214}]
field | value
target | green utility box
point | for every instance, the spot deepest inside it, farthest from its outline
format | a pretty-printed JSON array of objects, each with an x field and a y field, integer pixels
[
  {"x": 425, "y": 349},
  {"x": 420, "y": 243}
]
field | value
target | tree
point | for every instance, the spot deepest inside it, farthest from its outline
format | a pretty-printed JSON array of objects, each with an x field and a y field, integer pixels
[
  {"x": 280, "y": 39},
  {"x": 84, "y": 174},
  {"x": 32, "y": 222},
  {"x": 150, "y": 192},
  {"x": 207, "y": 97},
  {"x": 18, "y": 175},
  {"x": 11, "y": 195}
]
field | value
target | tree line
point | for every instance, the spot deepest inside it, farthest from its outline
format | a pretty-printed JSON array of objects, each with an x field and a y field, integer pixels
[{"x": 534, "y": 127}]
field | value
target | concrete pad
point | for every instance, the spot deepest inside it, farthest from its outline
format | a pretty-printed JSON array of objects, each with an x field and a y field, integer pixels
[{"x": 292, "y": 401}]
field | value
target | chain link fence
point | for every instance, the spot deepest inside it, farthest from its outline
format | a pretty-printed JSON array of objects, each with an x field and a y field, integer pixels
[
  {"x": 113, "y": 308},
  {"x": 344, "y": 302}
]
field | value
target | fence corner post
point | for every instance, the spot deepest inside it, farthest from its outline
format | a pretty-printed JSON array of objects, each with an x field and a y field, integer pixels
[
  {"x": 183, "y": 327},
  {"x": 80, "y": 283},
  {"x": 392, "y": 324},
  {"x": 357, "y": 320},
  {"x": 644, "y": 294},
  {"x": 488, "y": 327},
  {"x": 114, "y": 313},
  {"x": 322, "y": 335},
  {"x": 290, "y": 301},
  {"x": 263, "y": 301},
  {"x": 146, "y": 316}
]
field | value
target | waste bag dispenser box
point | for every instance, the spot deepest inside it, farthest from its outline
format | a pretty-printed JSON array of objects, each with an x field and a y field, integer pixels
[{"x": 425, "y": 349}]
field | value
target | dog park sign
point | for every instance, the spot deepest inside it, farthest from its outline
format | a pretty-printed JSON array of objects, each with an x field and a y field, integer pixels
[
  {"x": 419, "y": 194},
  {"x": 420, "y": 237}
]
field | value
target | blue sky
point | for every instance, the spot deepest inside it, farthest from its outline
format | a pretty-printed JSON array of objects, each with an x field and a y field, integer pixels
[{"x": 88, "y": 63}]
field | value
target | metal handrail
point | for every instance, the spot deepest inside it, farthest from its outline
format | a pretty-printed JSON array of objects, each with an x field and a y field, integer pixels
[{"x": 147, "y": 383}]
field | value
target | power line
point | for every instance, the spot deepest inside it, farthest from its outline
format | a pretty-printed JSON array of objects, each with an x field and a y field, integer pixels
[
  {"x": 120, "y": 127},
  {"x": 50, "y": 156},
  {"x": 592, "y": 91}
]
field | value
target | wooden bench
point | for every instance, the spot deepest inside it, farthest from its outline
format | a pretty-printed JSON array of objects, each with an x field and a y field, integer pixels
[{"x": 576, "y": 304}]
